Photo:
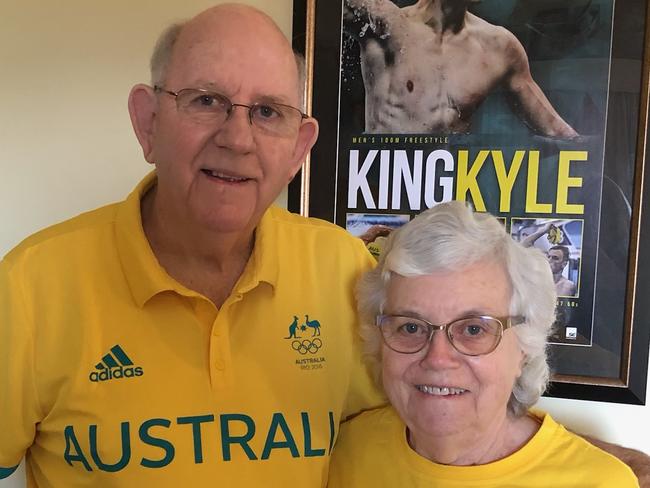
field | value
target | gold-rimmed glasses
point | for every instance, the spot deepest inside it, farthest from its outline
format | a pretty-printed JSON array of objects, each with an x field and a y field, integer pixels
[{"x": 474, "y": 335}]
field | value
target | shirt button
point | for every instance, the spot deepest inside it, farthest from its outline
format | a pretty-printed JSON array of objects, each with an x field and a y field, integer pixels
[{"x": 219, "y": 364}]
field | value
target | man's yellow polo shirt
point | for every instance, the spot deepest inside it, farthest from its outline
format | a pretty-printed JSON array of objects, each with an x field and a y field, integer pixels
[{"x": 114, "y": 374}]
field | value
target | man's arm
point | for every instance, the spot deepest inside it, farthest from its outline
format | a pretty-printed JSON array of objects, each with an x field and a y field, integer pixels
[
  {"x": 530, "y": 240},
  {"x": 375, "y": 231},
  {"x": 355, "y": 16},
  {"x": 638, "y": 461},
  {"x": 362, "y": 7},
  {"x": 20, "y": 409},
  {"x": 527, "y": 97},
  {"x": 366, "y": 18}
]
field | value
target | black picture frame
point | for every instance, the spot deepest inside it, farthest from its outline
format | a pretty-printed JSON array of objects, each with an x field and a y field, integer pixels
[{"x": 317, "y": 29}]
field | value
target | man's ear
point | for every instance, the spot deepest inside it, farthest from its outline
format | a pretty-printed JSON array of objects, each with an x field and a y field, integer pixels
[
  {"x": 307, "y": 135},
  {"x": 142, "y": 110}
]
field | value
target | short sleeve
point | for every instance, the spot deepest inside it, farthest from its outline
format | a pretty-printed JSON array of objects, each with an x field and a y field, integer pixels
[
  {"x": 19, "y": 412},
  {"x": 364, "y": 393}
]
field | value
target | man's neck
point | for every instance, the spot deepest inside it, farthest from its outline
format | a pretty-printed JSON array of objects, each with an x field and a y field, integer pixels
[
  {"x": 203, "y": 261},
  {"x": 442, "y": 15}
]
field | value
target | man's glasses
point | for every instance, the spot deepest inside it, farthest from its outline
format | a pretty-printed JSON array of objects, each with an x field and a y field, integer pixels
[
  {"x": 212, "y": 108},
  {"x": 472, "y": 336}
]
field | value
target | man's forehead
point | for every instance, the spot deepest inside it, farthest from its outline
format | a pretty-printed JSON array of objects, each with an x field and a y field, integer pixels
[
  {"x": 219, "y": 52},
  {"x": 233, "y": 25},
  {"x": 211, "y": 68}
]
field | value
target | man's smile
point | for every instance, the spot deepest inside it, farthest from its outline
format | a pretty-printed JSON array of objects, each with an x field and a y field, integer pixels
[{"x": 229, "y": 178}]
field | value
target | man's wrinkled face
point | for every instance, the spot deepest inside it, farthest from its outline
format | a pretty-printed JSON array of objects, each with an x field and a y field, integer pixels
[{"x": 223, "y": 177}]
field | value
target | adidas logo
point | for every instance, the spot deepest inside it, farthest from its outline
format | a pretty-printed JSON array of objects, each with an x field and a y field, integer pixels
[{"x": 114, "y": 365}]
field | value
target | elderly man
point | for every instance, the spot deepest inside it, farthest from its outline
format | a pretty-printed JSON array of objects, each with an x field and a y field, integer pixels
[
  {"x": 146, "y": 343},
  {"x": 193, "y": 334},
  {"x": 428, "y": 67}
]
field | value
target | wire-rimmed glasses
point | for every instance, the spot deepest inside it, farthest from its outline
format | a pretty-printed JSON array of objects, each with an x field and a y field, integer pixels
[
  {"x": 472, "y": 336},
  {"x": 212, "y": 108}
]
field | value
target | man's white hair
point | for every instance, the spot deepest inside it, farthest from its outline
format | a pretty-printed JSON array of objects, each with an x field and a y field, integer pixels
[{"x": 162, "y": 53}]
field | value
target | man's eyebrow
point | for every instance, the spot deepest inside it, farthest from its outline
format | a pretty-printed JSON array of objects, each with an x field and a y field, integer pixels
[
  {"x": 206, "y": 85},
  {"x": 212, "y": 86},
  {"x": 272, "y": 99}
]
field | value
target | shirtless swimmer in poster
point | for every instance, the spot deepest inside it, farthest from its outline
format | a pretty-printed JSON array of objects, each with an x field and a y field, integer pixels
[{"x": 428, "y": 67}]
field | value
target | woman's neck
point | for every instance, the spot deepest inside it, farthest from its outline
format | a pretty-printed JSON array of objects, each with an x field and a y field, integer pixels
[{"x": 500, "y": 439}]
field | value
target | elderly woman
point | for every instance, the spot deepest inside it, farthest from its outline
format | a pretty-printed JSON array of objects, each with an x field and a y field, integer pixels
[{"x": 456, "y": 319}]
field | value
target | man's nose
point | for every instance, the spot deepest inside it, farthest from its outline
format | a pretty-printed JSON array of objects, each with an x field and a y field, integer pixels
[
  {"x": 236, "y": 132},
  {"x": 246, "y": 108}
]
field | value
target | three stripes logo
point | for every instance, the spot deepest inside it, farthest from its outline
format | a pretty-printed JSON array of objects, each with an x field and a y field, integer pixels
[{"x": 115, "y": 365}]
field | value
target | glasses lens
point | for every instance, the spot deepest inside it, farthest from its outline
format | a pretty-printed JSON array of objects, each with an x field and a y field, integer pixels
[
  {"x": 475, "y": 335},
  {"x": 275, "y": 118},
  {"x": 203, "y": 105},
  {"x": 404, "y": 334}
]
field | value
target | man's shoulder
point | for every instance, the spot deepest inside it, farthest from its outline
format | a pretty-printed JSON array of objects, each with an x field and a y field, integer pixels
[
  {"x": 64, "y": 234},
  {"x": 478, "y": 25},
  {"x": 496, "y": 36},
  {"x": 307, "y": 227},
  {"x": 376, "y": 427},
  {"x": 312, "y": 240},
  {"x": 565, "y": 287},
  {"x": 370, "y": 420}
]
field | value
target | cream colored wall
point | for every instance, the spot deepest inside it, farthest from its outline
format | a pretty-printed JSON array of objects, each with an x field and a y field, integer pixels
[{"x": 66, "y": 143}]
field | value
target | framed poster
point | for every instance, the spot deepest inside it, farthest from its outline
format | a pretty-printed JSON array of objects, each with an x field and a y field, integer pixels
[{"x": 533, "y": 110}]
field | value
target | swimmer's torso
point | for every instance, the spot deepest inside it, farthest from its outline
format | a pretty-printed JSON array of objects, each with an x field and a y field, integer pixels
[{"x": 417, "y": 81}]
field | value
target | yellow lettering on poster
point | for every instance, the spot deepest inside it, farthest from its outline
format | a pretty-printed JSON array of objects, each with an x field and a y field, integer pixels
[
  {"x": 506, "y": 179},
  {"x": 565, "y": 181},
  {"x": 532, "y": 205},
  {"x": 466, "y": 181}
]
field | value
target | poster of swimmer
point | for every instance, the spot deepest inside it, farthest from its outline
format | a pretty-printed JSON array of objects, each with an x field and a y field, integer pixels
[{"x": 527, "y": 109}]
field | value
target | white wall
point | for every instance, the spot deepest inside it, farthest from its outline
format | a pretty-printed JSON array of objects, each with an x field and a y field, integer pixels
[{"x": 66, "y": 143}]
